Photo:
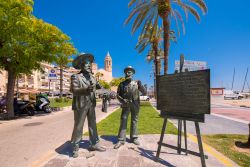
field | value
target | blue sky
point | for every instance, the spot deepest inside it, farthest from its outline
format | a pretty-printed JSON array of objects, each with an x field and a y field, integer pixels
[{"x": 222, "y": 38}]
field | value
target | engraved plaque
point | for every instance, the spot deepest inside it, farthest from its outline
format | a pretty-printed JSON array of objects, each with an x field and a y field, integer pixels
[{"x": 184, "y": 94}]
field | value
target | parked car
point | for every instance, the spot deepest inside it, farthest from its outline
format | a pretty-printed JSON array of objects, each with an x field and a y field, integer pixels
[
  {"x": 229, "y": 94},
  {"x": 144, "y": 98},
  {"x": 70, "y": 96}
]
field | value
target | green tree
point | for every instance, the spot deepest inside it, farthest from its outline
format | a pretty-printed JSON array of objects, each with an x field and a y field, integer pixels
[
  {"x": 63, "y": 61},
  {"x": 25, "y": 42},
  {"x": 117, "y": 81},
  {"x": 147, "y": 12},
  {"x": 104, "y": 84},
  {"x": 98, "y": 75}
]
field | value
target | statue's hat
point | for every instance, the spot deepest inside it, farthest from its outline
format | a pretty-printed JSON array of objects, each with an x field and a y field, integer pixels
[
  {"x": 82, "y": 58},
  {"x": 129, "y": 68}
]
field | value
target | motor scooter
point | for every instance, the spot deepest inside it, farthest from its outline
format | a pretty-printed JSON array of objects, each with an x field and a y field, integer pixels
[
  {"x": 3, "y": 104},
  {"x": 42, "y": 103},
  {"x": 23, "y": 107}
]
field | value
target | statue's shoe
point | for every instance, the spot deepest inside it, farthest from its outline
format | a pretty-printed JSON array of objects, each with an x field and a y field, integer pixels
[
  {"x": 135, "y": 141},
  {"x": 75, "y": 154},
  {"x": 97, "y": 148},
  {"x": 75, "y": 150},
  {"x": 118, "y": 144}
]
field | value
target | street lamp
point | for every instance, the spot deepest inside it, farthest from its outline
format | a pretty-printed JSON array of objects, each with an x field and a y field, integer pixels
[
  {"x": 156, "y": 70},
  {"x": 8, "y": 59}
]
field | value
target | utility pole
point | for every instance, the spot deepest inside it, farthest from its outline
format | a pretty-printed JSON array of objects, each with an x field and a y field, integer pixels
[
  {"x": 233, "y": 80},
  {"x": 244, "y": 81}
]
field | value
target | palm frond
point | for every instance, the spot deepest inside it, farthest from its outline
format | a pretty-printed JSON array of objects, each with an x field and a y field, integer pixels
[
  {"x": 177, "y": 13},
  {"x": 201, "y": 4}
]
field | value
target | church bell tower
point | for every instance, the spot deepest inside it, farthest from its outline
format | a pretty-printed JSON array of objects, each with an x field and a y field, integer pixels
[{"x": 108, "y": 63}]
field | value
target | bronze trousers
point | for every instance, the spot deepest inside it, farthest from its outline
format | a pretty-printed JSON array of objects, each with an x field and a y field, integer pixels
[
  {"x": 79, "y": 117},
  {"x": 133, "y": 108}
]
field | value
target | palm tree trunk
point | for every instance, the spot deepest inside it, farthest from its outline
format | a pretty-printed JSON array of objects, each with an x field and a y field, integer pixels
[
  {"x": 157, "y": 71},
  {"x": 10, "y": 93},
  {"x": 155, "y": 47},
  {"x": 61, "y": 82},
  {"x": 166, "y": 27}
]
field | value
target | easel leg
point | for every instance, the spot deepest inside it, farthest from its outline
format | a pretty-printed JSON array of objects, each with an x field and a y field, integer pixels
[
  {"x": 161, "y": 138},
  {"x": 185, "y": 135},
  {"x": 179, "y": 136},
  {"x": 200, "y": 144}
]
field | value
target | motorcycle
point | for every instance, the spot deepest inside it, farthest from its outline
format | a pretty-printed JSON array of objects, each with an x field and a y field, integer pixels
[
  {"x": 3, "y": 103},
  {"x": 42, "y": 103},
  {"x": 23, "y": 107}
]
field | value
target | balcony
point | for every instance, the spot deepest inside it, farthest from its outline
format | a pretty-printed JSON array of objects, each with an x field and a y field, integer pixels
[
  {"x": 31, "y": 86},
  {"x": 43, "y": 87}
]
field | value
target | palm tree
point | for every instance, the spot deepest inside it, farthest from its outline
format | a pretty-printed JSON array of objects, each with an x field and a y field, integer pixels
[
  {"x": 147, "y": 12},
  {"x": 150, "y": 37},
  {"x": 98, "y": 75},
  {"x": 153, "y": 37},
  {"x": 62, "y": 61}
]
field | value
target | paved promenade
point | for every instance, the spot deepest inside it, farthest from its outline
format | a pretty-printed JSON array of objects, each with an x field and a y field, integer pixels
[
  {"x": 135, "y": 156},
  {"x": 132, "y": 156},
  {"x": 29, "y": 141}
]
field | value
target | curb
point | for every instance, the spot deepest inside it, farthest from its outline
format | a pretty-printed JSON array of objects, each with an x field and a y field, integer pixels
[
  {"x": 212, "y": 151},
  {"x": 244, "y": 106}
]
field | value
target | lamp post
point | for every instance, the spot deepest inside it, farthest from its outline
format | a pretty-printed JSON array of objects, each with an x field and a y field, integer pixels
[{"x": 156, "y": 71}]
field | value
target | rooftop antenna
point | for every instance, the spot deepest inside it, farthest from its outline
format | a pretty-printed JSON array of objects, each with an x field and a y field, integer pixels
[
  {"x": 245, "y": 80},
  {"x": 233, "y": 80}
]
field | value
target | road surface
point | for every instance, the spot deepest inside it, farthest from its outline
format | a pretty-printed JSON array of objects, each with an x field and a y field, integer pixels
[
  {"x": 224, "y": 119},
  {"x": 25, "y": 140}
]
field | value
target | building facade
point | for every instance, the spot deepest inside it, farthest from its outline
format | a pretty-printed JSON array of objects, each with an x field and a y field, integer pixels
[
  {"x": 3, "y": 82},
  {"x": 106, "y": 73},
  {"x": 39, "y": 81}
]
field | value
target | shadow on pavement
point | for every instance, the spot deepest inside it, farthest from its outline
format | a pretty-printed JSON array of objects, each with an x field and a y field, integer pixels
[
  {"x": 150, "y": 155},
  {"x": 66, "y": 148},
  {"x": 112, "y": 139},
  {"x": 3, "y": 117}
]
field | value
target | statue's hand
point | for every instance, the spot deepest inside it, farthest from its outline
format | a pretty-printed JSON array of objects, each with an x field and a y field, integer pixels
[
  {"x": 125, "y": 101},
  {"x": 90, "y": 88},
  {"x": 139, "y": 83}
]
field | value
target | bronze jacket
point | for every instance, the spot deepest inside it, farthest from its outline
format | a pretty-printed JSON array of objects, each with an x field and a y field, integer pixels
[
  {"x": 130, "y": 91},
  {"x": 82, "y": 98}
]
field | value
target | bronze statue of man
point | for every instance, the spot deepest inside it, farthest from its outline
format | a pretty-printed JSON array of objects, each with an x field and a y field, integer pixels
[
  {"x": 105, "y": 98},
  {"x": 83, "y": 87},
  {"x": 128, "y": 94}
]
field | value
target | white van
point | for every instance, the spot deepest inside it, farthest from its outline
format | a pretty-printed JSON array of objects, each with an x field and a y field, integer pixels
[
  {"x": 229, "y": 94},
  {"x": 144, "y": 98}
]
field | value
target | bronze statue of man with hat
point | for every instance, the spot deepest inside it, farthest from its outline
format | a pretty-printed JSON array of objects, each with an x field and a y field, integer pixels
[
  {"x": 83, "y": 87},
  {"x": 128, "y": 93}
]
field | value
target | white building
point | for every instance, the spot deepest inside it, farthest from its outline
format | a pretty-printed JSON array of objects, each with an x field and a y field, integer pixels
[
  {"x": 39, "y": 81},
  {"x": 107, "y": 71}
]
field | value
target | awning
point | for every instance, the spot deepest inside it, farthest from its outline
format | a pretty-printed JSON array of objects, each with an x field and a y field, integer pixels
[
  {"x": 34, "y": 91},
  {"x": 24, "y": 91},
  {"x": 27, "y": 91}
]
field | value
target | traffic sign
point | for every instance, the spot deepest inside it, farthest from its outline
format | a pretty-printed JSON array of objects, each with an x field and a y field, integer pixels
[
  {"x": 52, "y": 74},
  {"x": 191, "y": 65}
]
